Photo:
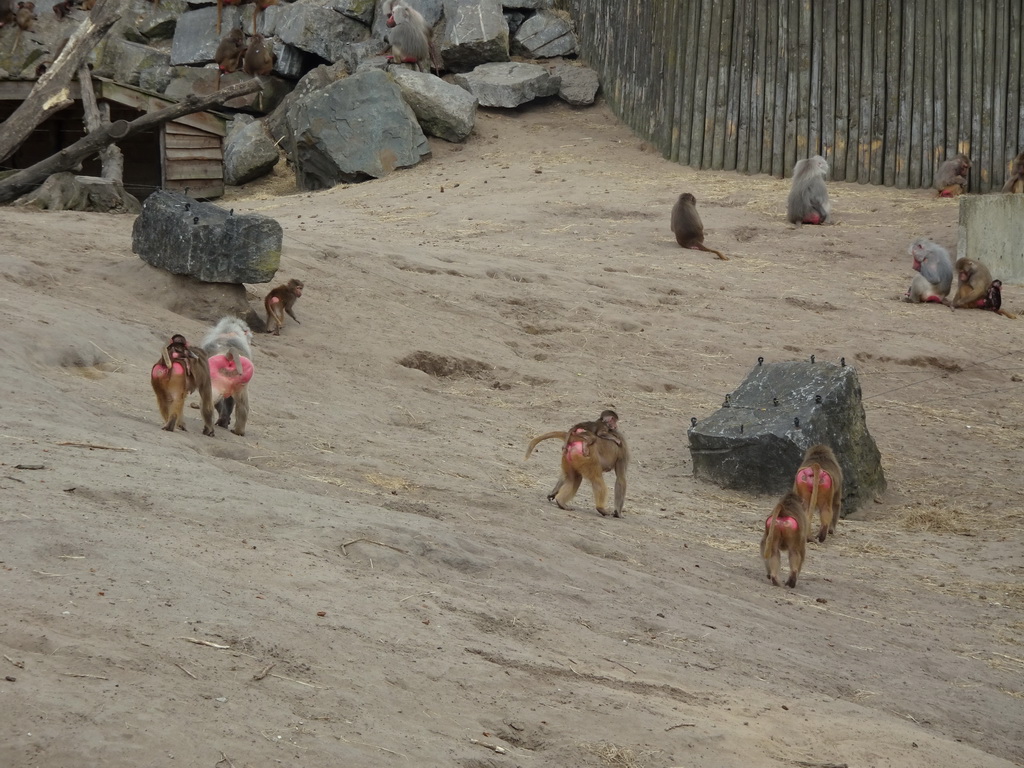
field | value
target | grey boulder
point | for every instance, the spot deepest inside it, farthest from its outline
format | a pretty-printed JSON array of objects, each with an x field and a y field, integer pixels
[
  {"x": 186, "y": 237},
  {"x": 508, "y": 84},
  {"x": 756, "y": 443},
  {"x": 443, "y": 110}
]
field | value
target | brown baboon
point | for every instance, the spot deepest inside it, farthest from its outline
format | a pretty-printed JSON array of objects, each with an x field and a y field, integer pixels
[
  {"x": 579, "y": 463},
  {"x": 819, "y": 484},
  {"x": 279, "y": 301},
  {"x": 180, "y": 371},
  {"x": 785, "y": 529},
  {"x": 687, "y": 226}
]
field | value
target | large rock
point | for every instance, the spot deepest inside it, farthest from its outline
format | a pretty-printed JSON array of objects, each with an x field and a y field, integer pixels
[
  {"x": 508, "y": 84},
  {"x": 577, "y": 85},
  {"x": 314, "y": 26},
  {"x": 67, "y": 192},
  {"x": 122, "y": 61},
  {"x": 361, "y": 10},
  {"x": 314, "y": 80},
  {"x": 528, "y": 3},
  {"x": 195, "y": 36},
  {"x": 162, "y": 19},
  {"x": 249, "y": 152},
  {"x": 545, "y": 34},
  {"x": 186, "y": 237},
  {"x": 353, "y": 129},
  {"x": 755, "y": 445},
  {"x": 991, "y": 231},
  {"x": 443, "y": 110},
  {"x": 475, "y": 32}
]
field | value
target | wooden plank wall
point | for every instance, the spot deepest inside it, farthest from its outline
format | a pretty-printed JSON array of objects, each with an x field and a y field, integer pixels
[{"x": 884, "y": 89}]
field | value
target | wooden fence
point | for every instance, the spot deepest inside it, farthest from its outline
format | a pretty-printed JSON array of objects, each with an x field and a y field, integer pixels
[{"x": 885, "y": 90}]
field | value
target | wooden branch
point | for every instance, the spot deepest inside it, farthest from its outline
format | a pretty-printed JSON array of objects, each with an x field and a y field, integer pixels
[
  {"x": 28, "y": 179},
  {"x": 51, "y": 93},
  {"x": 111, "y": 159}
]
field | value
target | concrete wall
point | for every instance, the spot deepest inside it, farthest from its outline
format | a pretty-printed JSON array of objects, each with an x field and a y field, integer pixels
[{"x": 992, "y": 232}]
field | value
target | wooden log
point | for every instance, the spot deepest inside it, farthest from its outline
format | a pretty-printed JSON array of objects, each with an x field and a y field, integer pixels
[
  {"x": 977, "y": 100},
  {"x": 1013, "y": 100},
  {"x": 21, "y": 182},
  {"x": 701, "y": 80},
  {"x": 842, "y": 119},
  {"x": 899, "y": 77},
  {"x": 710, "y": 94},
  {"x": 815, "y": 32},
  {"x": 880, "y": 29},
  {"x": 772, "y": 68},
  {"x": 905, "y": 111},
  {"x": 51, "y": 91},
  {"x": 689, "y": 82},
  {"x": 669, "y": 77},
  {"x": 995, "y": 80},
  {"x": 745, "y": 58},
  {"x": 937, "y": 139},
  {"x": 789, "y": 148},
  {"x": 808, "y": 93},
  {"x": 917, "y": 140},
  {"x": 965, "y": 57},
  {"x": 720, "y": 127},
  {"x": 778, "y": 114},
  {"x": 857, "y": 77},
  {"x": 111, "y": 159},
  {"x": 758, "y": 88},
  {"x": 925, "y": 16},
  {"x": 827, "y": 26}
]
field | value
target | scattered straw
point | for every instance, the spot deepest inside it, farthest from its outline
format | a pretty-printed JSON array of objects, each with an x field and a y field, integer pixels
[{"x": 619, "y": 757}]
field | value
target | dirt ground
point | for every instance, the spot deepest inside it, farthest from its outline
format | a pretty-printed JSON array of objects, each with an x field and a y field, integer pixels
[{"x": 372, "y": 575}]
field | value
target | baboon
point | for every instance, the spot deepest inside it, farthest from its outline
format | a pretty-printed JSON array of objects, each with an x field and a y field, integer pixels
[
  {"x": 588, "y": 432},
  {"x": 231, "y": 368},
  {"x": 181, "y": 370},
  {"x": 409, "y": 35},
  {"x": 687, "y": 226},
  {"x": 604, "y": 456},
  {"x": 819, "y": 485},
  {"x": 279, "y": 301},
  {"x": 1015, "y": 181},
  {"x": 994, "y": 300},
  {"x": 26, "y": 15},
  {"x": 951, "y": 176},
  {"x": 259, "y": 57},
  {"x": 977, "y": 289},
  {"x": 936, "y": 272},
  {"x": 230, "y": 51},
  {"x": 785, "y": 529},
  {"x": 974, "y": 280},
  {"x": 808, "y": 197}
]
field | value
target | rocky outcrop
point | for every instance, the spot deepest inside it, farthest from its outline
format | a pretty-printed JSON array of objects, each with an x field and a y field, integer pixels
[
  {"x": 756, "y": 442},
  {"x": 475, "y": 33},
  {"x": 213, "y": 245},
  {"x": 508, "y": 84},
  {"x": 351, "y": 130},
  {"x": 249, "y": 152},
  {"x": 443, "y": 110}
]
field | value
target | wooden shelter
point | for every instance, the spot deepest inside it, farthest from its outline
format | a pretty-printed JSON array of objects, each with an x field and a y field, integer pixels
[{"x": 185, "y": 153}]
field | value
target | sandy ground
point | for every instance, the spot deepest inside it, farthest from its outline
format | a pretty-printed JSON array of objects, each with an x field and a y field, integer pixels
[{"x": 373, "y": 571}]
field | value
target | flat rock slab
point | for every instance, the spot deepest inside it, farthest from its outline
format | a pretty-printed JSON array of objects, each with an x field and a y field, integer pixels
[
  {"x": 186, "y": 237},
  {"x": 508, "y": 84},
  {"x": 756, "y": 445}
]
